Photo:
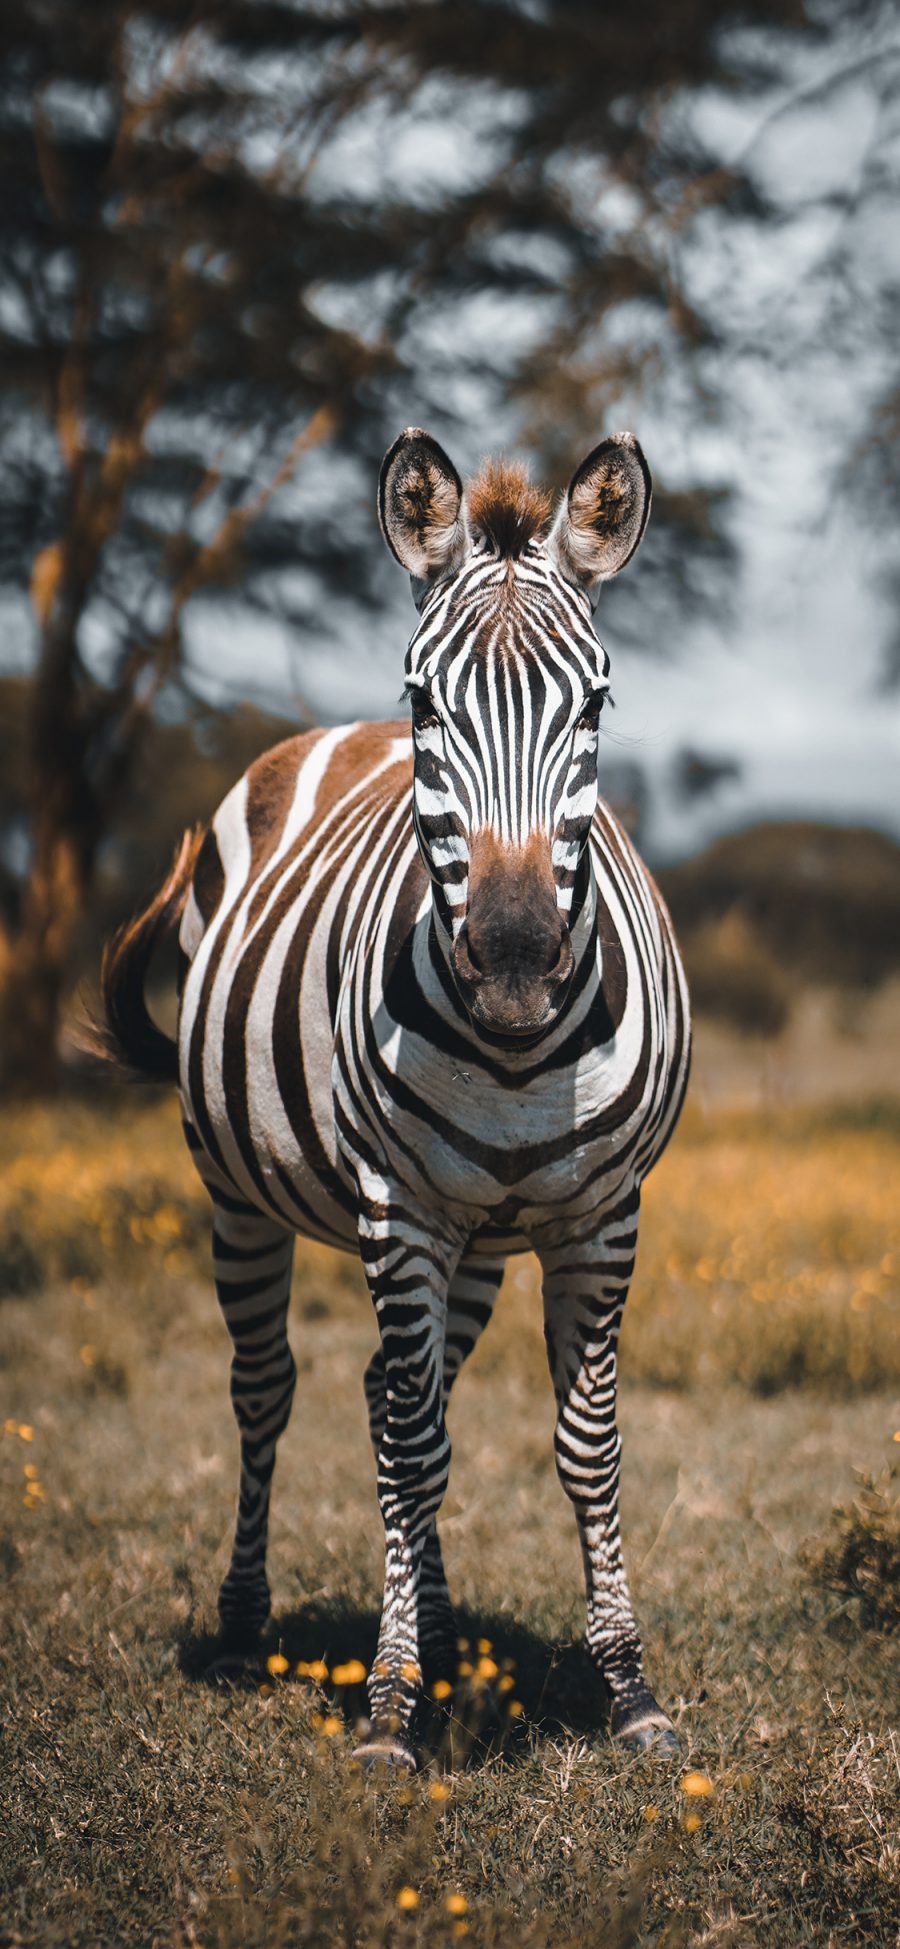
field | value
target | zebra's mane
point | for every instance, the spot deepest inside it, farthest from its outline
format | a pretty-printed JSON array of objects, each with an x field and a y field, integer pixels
[{"x": 505, "y": 507}]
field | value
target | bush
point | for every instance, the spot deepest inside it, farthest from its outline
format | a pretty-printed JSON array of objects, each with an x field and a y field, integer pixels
[
  {"x": 861, "y": 1555},
  {"x": 733, "y": 977},
  {"x": 822, "y": 901}
]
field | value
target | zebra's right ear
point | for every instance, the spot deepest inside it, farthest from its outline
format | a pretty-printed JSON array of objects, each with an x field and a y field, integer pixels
[{"x": 420, "y": 507}]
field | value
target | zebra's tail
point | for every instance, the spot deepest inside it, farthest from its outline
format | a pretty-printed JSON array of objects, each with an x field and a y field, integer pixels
[{"x": 127, "y": 1033}]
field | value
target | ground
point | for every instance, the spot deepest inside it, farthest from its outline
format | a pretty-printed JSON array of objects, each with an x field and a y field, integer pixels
[{"x": 142, "y": 1802}]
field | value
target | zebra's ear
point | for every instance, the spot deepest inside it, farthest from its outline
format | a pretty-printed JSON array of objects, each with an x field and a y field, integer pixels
[
  {"x": 604, "y": 514},
  {"x": 420, "y": 507}
]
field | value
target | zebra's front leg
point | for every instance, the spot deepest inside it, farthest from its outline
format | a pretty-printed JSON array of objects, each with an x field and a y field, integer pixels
[
  {"x": 252, "y": 1258},
  {"x": 409, "y": 1263},
  {"x": 585, "y": 1288},
  {"x": 470, "y": 1303}
]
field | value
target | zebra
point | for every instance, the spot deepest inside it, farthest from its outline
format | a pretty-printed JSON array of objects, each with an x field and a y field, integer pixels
[{"x": 432, "y": 1011}]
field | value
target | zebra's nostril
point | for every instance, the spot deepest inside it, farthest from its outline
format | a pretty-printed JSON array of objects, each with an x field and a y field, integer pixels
[
  {"x": 563, "y": 963},
  {"x": 470, "y": 951},
  {"x": 465, "y": 962}
]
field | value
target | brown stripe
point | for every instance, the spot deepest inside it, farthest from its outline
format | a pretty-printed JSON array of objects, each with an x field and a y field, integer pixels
[{"x": 271, "y": 786}]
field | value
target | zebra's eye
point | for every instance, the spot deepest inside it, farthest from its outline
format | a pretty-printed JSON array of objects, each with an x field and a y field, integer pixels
[
  {"x": 589, "y": 713},
  {"x": 424, "y": 715}
]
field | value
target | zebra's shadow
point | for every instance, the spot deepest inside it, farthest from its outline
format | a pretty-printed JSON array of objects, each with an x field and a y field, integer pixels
[{"x": 555, "y": 1689}]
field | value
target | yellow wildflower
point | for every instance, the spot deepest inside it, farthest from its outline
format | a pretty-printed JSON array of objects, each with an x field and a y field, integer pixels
[
  {"x": 439, "y": 1790},
  {"x": 88, "y": 1356},
  {"x": 316, "y": 1670},
  {"x": 651, "y": 1813},
  {"x": 506, "y": 1683},
  {"x": 515, "y": 1708},
  {"x": 698, "y": 1786},
  {"x": 277, "y": 1664},
  {"x": 691, "y": 1823},
  {"x": 464, "y": 1668},
  {"x": 330, "y": 1727},
  {"x": 407, "y": 1898},
  {"x": 486, "y": 1668},
  {"x": 441, "y": 1689},
  {"x": 25, "y": 1431},
  {"x": 456, "y": 1904},
  {"x": 353, "y": 1673},
  {"x": 484, "y": 1646}
]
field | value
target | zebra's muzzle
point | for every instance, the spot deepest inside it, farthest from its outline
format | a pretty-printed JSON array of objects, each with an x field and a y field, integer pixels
[
  {"x": 512, "y": 958},
  {"x": 513, "y": 979}
]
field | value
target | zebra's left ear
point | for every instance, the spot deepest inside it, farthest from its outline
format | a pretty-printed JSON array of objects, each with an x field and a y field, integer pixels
[
  {"x": 420, "y": 507},
  {"x": 604, "y": 514}
]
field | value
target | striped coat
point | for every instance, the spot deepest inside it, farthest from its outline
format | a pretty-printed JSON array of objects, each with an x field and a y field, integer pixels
[{"x": 432, "y": 1011}]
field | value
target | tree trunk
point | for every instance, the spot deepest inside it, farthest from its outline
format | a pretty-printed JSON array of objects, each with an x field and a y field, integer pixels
[
  {"x": 35, "y": 959},
  {"x": 36, "y": 947}
]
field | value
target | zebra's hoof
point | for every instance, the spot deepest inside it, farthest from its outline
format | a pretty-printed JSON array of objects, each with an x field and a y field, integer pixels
[
  {"x": 385, "y": 1751},
  {"x": 239, "y": 1637},
  {"x": 646, "y": 1732},
  {"x": 229, "y": 1666},
  {"x": 244, "y": 1609}
]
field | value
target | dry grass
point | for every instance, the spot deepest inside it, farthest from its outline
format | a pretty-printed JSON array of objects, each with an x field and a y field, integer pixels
[
  {"x": 140, "y": 1803},
  {"x": 769, "y": 1253}
]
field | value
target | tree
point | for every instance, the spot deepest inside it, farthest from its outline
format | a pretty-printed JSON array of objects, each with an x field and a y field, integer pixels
[
  {"x": 210, "y": 269},
  {"x": 164, "y": 377}
]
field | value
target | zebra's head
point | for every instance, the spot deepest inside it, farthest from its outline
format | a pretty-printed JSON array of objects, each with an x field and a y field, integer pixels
[{"x": 506, "y": 680}]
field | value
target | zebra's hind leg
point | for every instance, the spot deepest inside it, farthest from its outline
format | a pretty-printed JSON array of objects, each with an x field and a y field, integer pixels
[
  {"x": 585, "y": 1288},
  {"x": 252, "y": 1258},
  {"x": 470, "y": 1303}
]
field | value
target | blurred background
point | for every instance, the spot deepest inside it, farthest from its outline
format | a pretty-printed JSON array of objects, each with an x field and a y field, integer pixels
[{"x": 243, "y": 243}]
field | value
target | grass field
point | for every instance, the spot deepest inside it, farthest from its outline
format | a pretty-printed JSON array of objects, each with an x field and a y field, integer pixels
[{"x": 141, "y": 1803}]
